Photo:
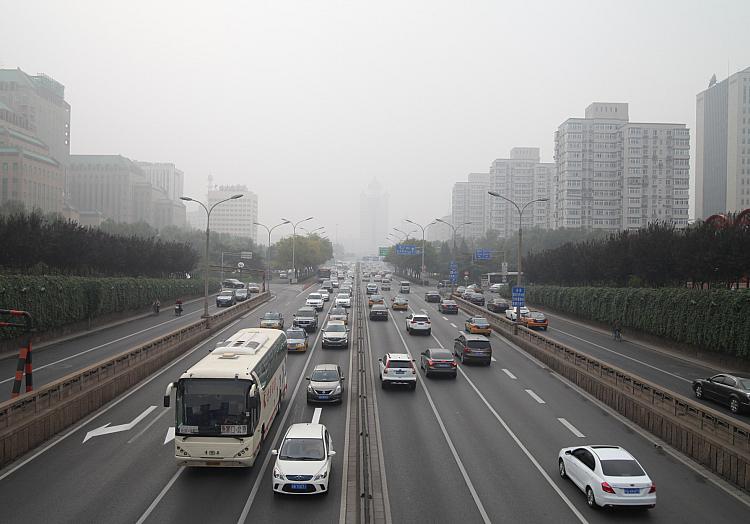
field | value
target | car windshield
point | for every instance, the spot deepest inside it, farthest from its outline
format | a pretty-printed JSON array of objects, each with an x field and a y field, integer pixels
[
  {"x": 449, "y": 303},
  {"x": 213, "y": 407},
  {"x": 376, "y": 297},
  {"x": 342, "y": 295},
  {"x": 338, "y": 311},
  {"x": 399, "y": 364},
  {"x": 744, "y": 383},
  {"x": 622, "y": 468},
  {"x": 537, "y": 316},
  {"x": 271, "y": 316},
  {"x": 226, "y": 293},
  {"x": 302, "y": 449},
  {"x": 378, "y": 307},
  {"x": 441, "y": 355},
  {"x": 295, "y": 333},
  {"x": 314, "y": 296},
  {"x": 479, "y": 321},
  {"x": 323, "y": 291},
  {"x": 421, "y": 318},
  {"x": 335, "y": 328},
  {"x": 324, "y": 375},
  {"x": 306, "y": 312},
  {"x": 479, "y": 344}
]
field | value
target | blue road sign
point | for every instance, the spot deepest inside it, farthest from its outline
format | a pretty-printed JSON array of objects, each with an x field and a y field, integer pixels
[
  {"x": 519, "y": 297},
  {"x": 453, "y": 266},
  {"x": 403, "y": 249},
  {"x": 482, "y": 254}
]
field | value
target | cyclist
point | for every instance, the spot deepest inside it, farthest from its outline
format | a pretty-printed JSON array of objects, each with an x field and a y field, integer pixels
[{"x": 617, "y": 330}]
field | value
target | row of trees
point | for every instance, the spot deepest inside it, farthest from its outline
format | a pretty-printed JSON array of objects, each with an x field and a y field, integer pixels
[
  {"x": 309, "y": 251},
  {"x": 39, "y": 244},
  {"x": 656, "y": 256}
]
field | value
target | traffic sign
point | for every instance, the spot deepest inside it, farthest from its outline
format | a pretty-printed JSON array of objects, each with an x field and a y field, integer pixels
[
  {"x": 482, "y": 254},
  {"x": 240, "y": 265},
  {"x": 383, "y": 251},
  {"x": 404, "y": 249},
  {"x": 519, "y": 296},
  {"x": 248, "y": 255}
]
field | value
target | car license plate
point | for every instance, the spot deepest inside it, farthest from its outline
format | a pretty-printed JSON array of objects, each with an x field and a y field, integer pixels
[
  {"x": 324, "y": 397},
  {"x": 399, "y": 372},
  {"x": 632, "y": 491},
  {"x": 299, "y": 487}
]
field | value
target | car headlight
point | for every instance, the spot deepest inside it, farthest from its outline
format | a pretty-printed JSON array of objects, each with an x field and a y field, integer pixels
[
  {"x": 337, "y": 390},
  {"x": 277, "y": 474},
  {"x": 321, "y": 475},
  {"x": 309, "y": 388}
]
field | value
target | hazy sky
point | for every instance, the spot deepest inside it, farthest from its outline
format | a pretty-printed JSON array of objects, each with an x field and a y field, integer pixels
[{"x": 306, "y": 101}]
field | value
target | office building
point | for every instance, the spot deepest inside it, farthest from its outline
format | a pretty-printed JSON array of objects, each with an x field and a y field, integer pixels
[
  {"x": 373, "y": 218},
  {"x": 722, "y": 153},
  {"x": 612, "y": 175},
  {"x": 235, "y": 217},
  {"x": 522, "y": 178},
  {"x": 170, "y": 180}
]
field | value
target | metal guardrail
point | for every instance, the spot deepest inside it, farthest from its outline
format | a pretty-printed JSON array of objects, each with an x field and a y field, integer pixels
[
  {"x": 30, "y": 419},
  {"x": 717, "y": 441}
]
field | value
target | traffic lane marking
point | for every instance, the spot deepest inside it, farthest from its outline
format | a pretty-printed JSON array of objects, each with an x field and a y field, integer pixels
[
  {"x": 571, "y": 427},
  {"x": 535, "y": 396},
  {"x": 157, "y": 417},
  {"x": 511, "y": 375},
  {"x": 316, "y": 415},
  {"x": 520, "y": 444}
]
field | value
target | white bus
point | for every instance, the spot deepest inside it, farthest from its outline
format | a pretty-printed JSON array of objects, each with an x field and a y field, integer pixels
[{"x": 226, "y": 403}]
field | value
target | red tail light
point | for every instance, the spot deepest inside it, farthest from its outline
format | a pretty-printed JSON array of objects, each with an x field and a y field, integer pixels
[
  {"x": 652, "y": 489},
  {"x": 466, "y": 349},
  {"x": 429, "y": 362},
  {"x": 453, "y": 363},
  {"x": 607, "y": 488}
]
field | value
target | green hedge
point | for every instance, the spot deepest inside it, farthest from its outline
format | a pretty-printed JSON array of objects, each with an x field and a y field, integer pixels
[
  {"x": 55, "y": 301},
  {"x": 716, "y": 320}
]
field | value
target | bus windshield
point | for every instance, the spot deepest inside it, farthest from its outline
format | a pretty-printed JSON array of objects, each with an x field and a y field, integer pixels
[{"x": 213, "y": 407}]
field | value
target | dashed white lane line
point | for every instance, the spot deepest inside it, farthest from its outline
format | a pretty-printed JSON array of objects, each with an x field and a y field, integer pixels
[
  {"x": 493, "y": 359},
  {"x": 454, "y": 325},
  {"x": 170, "y": 435},
  {"x": 511, "y": 375},
  {"x": 535, "y": 396},
  {"x": 316, "y": 415},
  {"x": 445, "y": 318},
  {"x": 571, "y": 427}
]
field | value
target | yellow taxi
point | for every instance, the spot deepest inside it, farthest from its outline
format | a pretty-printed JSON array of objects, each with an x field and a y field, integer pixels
[
  {"x": 477, "y": 326},
  {"x": 296, "y": 339},
  {"x": 400, "y": 303},
  {"x": 535, "y": 319},
  {"x": 375, "y": 299}
]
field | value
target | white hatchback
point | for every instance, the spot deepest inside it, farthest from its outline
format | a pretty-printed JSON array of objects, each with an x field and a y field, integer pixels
[
  {"x": 324, "y": 293},
  {"x": 608, "y": 475},
  {"x": 315, "y": 300},
  {"x": 343, "y": 300},
  {"x": 510, "y": 313},
  {"x": 304, "y": 460}
]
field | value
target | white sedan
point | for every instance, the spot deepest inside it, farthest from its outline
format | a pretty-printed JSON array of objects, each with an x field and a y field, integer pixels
[
  {"x": 343, "y": 300},
  {"x": 324, "y": 293},
  {"x": 511, "y": 313},
  {"x": 303, "y": 462},
  {"x": 608, "y": 475}
]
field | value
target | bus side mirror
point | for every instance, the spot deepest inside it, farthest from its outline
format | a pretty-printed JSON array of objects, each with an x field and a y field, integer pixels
[
  {"x": 167, "y": 394},
  {"x": 166, "y": 401}
]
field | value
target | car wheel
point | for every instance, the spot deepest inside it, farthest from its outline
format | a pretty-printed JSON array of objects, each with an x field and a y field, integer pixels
[
  {"x": 426, "y": 373},
  {"x": 454, "y": 376},
  {"x": 734, "y": 405},
  {"x": 590, "y": 498},
  {"x": 429, "y": 332},
  {"x": 561, "y": 468},
  {"x": 413, "y": 386},
  {"x": 382, "y": 383},
  {"x": 276, "y": 494},
  {"x": 698, "y": 392}
]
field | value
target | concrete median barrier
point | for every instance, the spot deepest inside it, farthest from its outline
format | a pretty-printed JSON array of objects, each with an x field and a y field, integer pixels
[
  {"x": 717, "y": 441},
  {"x": 32, "y": 418}
]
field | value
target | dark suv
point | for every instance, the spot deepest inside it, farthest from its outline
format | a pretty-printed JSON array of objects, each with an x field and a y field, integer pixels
[
  {"x": 470, "y": 348},
  {"x": 306, "y": 318},
  {"x": 476, "y": 298}
]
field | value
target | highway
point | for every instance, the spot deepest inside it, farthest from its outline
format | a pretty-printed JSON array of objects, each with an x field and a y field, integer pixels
[{"x": 479, "y": 448}]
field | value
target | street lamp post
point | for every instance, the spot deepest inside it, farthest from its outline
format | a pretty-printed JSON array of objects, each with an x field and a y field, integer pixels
[
  {"x": 520, "y": 239},
  {"x": 453, "y": 228},
  {"x": 268, "y": 249},
  {"x": 294, "y": 236},
  {"x": 423, "y": 268},
  {"x": 208, "y": 229}
]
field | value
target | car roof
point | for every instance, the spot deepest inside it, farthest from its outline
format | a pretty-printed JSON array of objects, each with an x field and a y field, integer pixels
[
  {"x": 326, "y": 367},
  {"x": 335, "y": 322},
  {"x": 305, "y": 430},
  {"x": 473, "y": 336},
  {"x": 398, "y": 356},
  {"x": 379, "y": 306},
  {"x": 610, "y": 452}
]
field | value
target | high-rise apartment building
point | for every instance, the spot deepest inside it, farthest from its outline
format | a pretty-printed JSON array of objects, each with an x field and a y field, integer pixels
[
  {"x": 722, "y": 153},
  {"x": 373, "y": 218},
  {"x": 470, "y": 203},
  {"x": 522, "y": 178},
  {"x": 612, "y": 174},
  {"x": 235, "y": 217}
]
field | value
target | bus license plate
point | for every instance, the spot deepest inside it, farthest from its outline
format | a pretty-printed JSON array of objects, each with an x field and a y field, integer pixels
[{"x": 299, "y": 487}]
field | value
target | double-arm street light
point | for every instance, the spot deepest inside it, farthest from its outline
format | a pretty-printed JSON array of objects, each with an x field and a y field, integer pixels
[
  {"x": 311, "y": 231},
  {"x": 294, "y": 235},
  {"x": 268, "y": 249},
  {"x": 520, "y": 210},
  {"x": 423, "y": 268},
  {"x": 208, "y": 229},
  {"x": 453, "y": 228},
  {"x": 406, "y": 235}
]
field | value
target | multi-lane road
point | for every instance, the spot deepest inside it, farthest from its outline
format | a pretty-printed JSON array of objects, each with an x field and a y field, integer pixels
[{"x": 482, "y": 447}]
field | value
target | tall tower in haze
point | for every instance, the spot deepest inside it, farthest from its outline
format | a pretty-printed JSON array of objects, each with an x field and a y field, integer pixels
[{"x": 373, "y": 218}]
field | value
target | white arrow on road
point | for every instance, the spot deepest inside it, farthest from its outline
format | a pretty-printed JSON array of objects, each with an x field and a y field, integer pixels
[
  {"x": 170, "y": 435},
  {"x": 107, "y": 429}
]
